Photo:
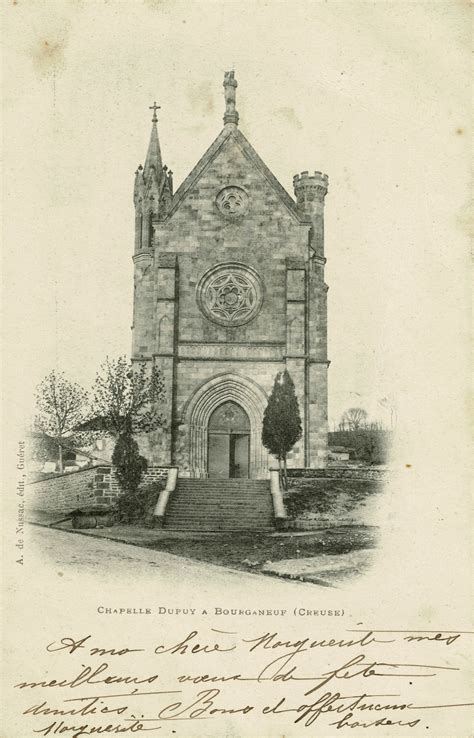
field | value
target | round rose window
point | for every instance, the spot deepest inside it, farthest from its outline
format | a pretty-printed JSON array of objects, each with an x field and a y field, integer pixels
[
  {"x": 230, "y": 294},
  {"x": 232, "y": 202}
]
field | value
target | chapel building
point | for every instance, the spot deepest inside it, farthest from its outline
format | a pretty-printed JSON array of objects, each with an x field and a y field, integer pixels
[{"x": 229, "y": 291}]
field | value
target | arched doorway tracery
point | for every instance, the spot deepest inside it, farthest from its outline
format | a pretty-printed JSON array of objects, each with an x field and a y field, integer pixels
[{"x": 249, "y": 397}]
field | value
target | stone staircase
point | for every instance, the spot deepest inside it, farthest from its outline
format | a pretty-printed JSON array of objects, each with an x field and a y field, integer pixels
[{"x": 220, "y": 505}]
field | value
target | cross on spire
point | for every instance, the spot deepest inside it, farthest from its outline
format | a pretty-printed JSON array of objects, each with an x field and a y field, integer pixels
[{"x": 154, "y": 107}]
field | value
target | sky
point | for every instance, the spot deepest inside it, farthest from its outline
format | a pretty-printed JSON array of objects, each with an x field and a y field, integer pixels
[{"x": 373, "y": 94}]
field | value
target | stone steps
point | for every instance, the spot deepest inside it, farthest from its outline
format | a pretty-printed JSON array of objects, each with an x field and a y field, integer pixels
[
  {"x": 222, "y": 494},
  {"x": 220, "y": 504},
  {"x": 208, "y": 484},
  {"x": 222, "y": 514},
  {"x": 227, "y": 482}
]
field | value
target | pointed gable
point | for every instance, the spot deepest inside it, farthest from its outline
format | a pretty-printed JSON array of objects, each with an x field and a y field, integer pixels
[{"x": 230, "y": 133}]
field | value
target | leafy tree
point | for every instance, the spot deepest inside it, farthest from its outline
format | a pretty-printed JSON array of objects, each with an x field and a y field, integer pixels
[
  {"x": 125, "y": 397},
  {"x": 354, "y": 418},
  {"x": 369, "y": 445},
  {"x": 42, "y": 447},
  {"x": 281, "y": 421},
  {"x": 130, "y": 467},
  {"x": 125, "y": 403},
  {"x": 61, "y": 406}
]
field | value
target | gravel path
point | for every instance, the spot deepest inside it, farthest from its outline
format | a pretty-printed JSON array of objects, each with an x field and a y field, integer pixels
[{"x": 68, "y": 554}]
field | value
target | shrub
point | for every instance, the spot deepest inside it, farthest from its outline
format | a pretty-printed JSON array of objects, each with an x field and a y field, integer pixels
[{"x": 138, "y": 508}]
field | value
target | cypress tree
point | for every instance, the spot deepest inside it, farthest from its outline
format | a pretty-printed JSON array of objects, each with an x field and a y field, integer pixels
[
  {"x": 281, "y": 421},
  {"x": 130, "y": 466}
]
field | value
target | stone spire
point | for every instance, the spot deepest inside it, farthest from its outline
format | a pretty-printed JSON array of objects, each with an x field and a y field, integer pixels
[
  {"x": 153, "y": 157},
  {"x": 230, "y": 83},
  {"x": 152, "y": 191}
]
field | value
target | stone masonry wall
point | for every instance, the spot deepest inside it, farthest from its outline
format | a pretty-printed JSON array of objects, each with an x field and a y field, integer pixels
[
  {"x": 339, "y": 473},
  {"x": 173, "y": 332},
  {"x": 262, "y": 239},
  {"x": 96, "y": 486}
]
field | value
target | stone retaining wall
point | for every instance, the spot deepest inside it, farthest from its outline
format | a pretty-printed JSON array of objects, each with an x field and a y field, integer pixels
[
  {"x": 339, "y": 473},
  {"x": 94, "y": 486},
  {"x": 98, "y": 485}
]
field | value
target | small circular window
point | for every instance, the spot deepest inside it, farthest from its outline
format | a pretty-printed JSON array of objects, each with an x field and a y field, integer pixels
[{"x": 232, "y": 202}]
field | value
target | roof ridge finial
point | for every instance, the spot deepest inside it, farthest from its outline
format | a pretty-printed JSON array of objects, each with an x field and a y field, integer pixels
[
  {"x": 230, "y": 83},
  {"x": 154, "y": 107}
]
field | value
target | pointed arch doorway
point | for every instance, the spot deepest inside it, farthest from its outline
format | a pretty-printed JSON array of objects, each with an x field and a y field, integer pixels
[
  {"x": 212, "y": 394},
  {"x": 228, "y": 455}
]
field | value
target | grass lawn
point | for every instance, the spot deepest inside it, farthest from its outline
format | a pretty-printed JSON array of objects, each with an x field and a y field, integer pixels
[
  {"x": 251, "y": 552},
  {"x": 333, "y": 502}
]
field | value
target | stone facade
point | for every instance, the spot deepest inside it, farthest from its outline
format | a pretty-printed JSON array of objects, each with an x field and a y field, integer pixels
[{"x": 229, "y": 290}]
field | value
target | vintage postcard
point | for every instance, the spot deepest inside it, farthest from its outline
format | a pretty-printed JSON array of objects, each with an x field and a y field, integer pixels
[{"x": 236, "y": 432}]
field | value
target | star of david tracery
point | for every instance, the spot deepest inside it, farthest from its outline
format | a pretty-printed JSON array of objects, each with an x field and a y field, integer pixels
[
  {"x": 228, "y": 415},
  {"x": 231, "y": 297},
  {"x": 230, "y": 294}
]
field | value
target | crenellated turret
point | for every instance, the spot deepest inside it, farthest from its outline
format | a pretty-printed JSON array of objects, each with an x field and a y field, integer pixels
[
  {"x": 310, "y": 191},
  {"x": 309, "y": 188},
  {"x": 152, "y": 192}
]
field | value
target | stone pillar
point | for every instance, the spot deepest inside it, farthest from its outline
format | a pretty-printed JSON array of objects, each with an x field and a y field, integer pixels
[
  {"x": 165, "y": 348},
  {"x": 318, "y": 417},
  {"x": 143, "y": 313},
  {"x": 310, "y": 192},
  {"x": 295, "y": 346},
  {"x": 138, "y": 231}
]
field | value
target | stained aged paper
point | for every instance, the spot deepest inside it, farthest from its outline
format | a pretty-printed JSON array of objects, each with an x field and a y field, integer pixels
[{"x": 100, "y": 637}]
